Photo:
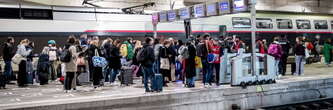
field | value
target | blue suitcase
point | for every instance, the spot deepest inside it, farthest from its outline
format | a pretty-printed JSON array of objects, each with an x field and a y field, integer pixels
[{"x": 158, "y": 83}]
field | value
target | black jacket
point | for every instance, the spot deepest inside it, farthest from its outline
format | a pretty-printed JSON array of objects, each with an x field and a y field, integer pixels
[
  {"x": 149, "y": 56},
  {"x": 114, "y": 57},
  {"x": 299, "y": 50},
  {"x": 8, "y": 52},
  {"x": 190, "y": 62}
]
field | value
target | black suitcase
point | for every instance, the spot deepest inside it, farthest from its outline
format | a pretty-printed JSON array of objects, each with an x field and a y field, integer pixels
[{"x": 126, "y": 76}]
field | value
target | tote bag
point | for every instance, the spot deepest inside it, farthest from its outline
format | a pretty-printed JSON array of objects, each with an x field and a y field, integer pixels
[
  {"x": 99, "y": 61},
  {"x": 17, "y": 58}
]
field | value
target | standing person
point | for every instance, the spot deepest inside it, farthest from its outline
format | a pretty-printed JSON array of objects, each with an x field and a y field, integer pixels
[
  {"x": 284, "y": 57},
  {"x": 53, "y": 57},
  {"x": 130, "y": 51},
  {"x": 146, "y": 58},
  {"x": 80, "y": 62},
  {"x": 136, "y": 64},
  {"x": 238, "y": 44},
  {"x": 157, "y": 46},
  {"x": 97, "y": 72},
  {"x": 327, "y": 50},
  {"x": 165, "y": 59},
  {"x": 183, "y": 55},
  {"x": 190, "y": 70},
  {"x": 70, "y": 66},
  {"x": 106, "y": 47},
  {"x": 216, "y": 51},
  {"x": 22, "y": 73},
  {"x": 43, "y": 66},
  {"x": 300, "y": 57},
  {"x": 275, "y": 50},
  {"x": 29, "y": 67},
  {"x": 202, "y": 52},
  {"x": 114, "y": 60},
  {"x": 8, "y": 53}
]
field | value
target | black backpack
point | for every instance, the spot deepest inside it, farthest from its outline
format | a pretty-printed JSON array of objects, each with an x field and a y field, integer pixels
[
  {"x": 66, "y": 55},
  {"x": 140, "y": 56}
]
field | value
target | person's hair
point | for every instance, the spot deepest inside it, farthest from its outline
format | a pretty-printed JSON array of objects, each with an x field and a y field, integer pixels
[
  {"x": 45, "y": 50},
  {"x": 10, "y": 39},
  {"x": 129, "y": 39},
  {"x": 180, "y": 42},
  {"x": 328, "y": 40},
  {"x": 77, "y": 42},
  {"x": 71, "y": 39},
  {"x": 156, "y": 41},
  {"x": 166, "y": 42},
  {"x": 206, "y": 35},
  {"x": 31, "y": 44},
  {"x": 24, "y": 41},
  {"x": 116, "y": 42},
  {"x": 95, "y": 38},
  {"x": 84, "y": 36},
  {"x": 137, "y": 44},
  {"x": 148, "y": 39}
]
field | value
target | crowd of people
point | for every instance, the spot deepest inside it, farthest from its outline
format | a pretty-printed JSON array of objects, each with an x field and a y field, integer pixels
[{"x": 175, "y": 60}]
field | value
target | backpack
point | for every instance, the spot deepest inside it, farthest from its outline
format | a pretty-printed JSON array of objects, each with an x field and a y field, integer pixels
[
  {"x": 140, "y": 56},
  {"x": 66, "y": 55},
  {"x": 274, "y": 50},
  {"x": 183, "y": 51},
  {"x": 53, "y": 54},
  {"x": 43, "y": 63}
]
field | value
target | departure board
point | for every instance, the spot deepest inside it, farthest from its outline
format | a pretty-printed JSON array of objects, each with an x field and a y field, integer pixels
[
  {"x": 155, "y": 18},
  {"x": 224, "y": 7},
  {"x": 172, "y": 15},
  {"x": 184, "y": 13},
  {"x": 211, "y": 9},
  {"x": 199, "y": 10},
  {"x": 240, "y": 5}
]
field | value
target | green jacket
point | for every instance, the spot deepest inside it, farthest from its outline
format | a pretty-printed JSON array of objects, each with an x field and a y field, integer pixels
[
  {"x": 130, "y": 52},
  {"x": 327, "y": 50}
]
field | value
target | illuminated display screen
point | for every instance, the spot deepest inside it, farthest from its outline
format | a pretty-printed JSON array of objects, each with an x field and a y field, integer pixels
[
  {"x": 211, "y": 9},
  {"x": 224, "y": 7},
  {"x": 184, "y": 13},
  {"x": 240, "y": 5},
  {"x": 199, "y": 10},
  {"x": 172, "y": 15},
  {"x": 163, "y": 17}
]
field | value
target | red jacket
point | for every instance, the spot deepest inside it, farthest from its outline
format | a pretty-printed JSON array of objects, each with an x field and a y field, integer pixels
[{"x": 216, "y": 50}]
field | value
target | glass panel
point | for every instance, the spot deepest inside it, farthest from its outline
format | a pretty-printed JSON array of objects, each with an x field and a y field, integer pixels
[
  {"x": 246, "y": 66},
  {"x": 332, "y": 25},
  {"x": 303, "y": 24},
  {"x": 239, "y": 22},
  {"x": 284, "y": 23},
  {"x": 320, "y": 24},
  {"x": 264, "y": 23}
]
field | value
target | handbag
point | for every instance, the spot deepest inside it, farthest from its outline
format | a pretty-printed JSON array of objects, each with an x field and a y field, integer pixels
[
  {"x": 198, "y": 63},
  {"x": 17, "y": 58},
  {"x": 165, "y": 63},
  {"x": 80, "y": 61},
  {"x": 98, "y": 61}
]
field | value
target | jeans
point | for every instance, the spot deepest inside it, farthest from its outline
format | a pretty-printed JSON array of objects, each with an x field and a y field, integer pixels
[
  {"x": 205, "y": 70},
  {"x": 300, "y": 60},
  {"x": 107, "y": 74},
  {"x": 216, "y": 66},
  {"x": 68, "y": 84},
  {"x": 209, "y": 74},
  {"x": 8, "y": 70},
  {"x": 276, "y": 66},
  {"x": 190, "y": 82},
  {"x": 148, "y": 74},
  {"x": 113, "y": 74},
  {"x": 283, "y": 65},
  {"x": 156, "y": 66}
]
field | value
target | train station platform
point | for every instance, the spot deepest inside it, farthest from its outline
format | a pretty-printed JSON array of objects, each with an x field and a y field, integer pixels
[{"x": 317, "y": 83}]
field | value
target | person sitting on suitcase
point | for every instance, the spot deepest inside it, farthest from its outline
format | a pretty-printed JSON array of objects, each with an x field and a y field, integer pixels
[{"x": 146, "y": 57}]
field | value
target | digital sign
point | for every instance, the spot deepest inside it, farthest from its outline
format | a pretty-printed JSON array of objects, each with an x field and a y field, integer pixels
[
  {"x": 224, "y": 7},
  {"x": 172, "y": 15},
  {"x": 211, "y": 9},
  {"x": 155, "y": 18},
  {"x": 199, "y": 10},
  {"x": 163, "y": 16},
  {"x": 184, "y": 13},
  {"x": 240, "y": 5}
]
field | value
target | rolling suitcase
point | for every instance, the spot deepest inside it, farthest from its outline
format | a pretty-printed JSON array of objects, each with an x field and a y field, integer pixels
[
  {"x": 126, "y": 76},
  {"x": 157, "y": 83}
]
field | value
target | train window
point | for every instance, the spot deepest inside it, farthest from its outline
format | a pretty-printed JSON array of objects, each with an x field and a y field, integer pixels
[
  {"x": 284, "y": 23},
  {"x": 320, "y": 24},
  {"x": 37, "y": 14},
  {"x": 241, "y": 22},
  {"x": 264, "y": 23},
  {"x": 10, "y": 13},
  {"x": 303, "y": 24}
]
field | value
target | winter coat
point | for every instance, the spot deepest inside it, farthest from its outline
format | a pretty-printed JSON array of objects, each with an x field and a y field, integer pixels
[
  {"x": 190, "y": 62},
  {"x": 149, "y": 56},
  {"x": 71, "y": 66},
  {"x": 8, "y": 52},
  {"x": 114, "y": 57},
  {"x": 130, "y": 51}
]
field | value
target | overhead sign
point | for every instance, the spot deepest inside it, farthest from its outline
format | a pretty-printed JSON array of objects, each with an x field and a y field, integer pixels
[
  {"x": 184, "y": 13},
  {"x": 155, "y": 18},
  {"x": 240, "y": 5},
  {"x": 172, "y": 15},
  {"x": 199, "y": 10},
  {"x": 224, "y": 7},
  {"x": 211, "y": 9},
  {"x": 163, "y": 17}
]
